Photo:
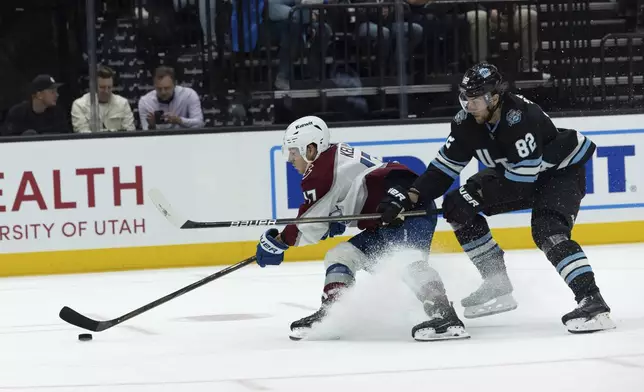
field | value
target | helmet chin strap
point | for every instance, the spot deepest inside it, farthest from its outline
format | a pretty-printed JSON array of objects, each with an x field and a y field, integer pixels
[{"x": 492, "y": 110}]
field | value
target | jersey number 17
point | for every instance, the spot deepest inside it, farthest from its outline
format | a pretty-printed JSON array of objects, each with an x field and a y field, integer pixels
[{"x": 310, "y": 196}]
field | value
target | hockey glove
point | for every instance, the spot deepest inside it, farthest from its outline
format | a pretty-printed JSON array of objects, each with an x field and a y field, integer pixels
[
  {"x": 461, "y": 205},
  {"x": 395, "y": 202},
  {"x": 270, "y": 251},
  {"x": 335, "y": 228}
]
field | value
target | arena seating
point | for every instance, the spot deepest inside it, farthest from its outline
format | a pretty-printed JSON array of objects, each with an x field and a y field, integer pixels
[{"x": 593, "y": 55}]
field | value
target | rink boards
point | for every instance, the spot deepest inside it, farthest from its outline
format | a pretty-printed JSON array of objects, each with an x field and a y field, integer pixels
[{"x": 82, "y": 205}]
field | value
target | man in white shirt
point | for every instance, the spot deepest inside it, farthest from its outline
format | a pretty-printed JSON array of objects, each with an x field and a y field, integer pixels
[
  {"x": 115, "y": 113},
  {"x": 168, "y": 105}
]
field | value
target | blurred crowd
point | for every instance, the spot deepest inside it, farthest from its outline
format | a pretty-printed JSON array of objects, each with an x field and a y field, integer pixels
[{"x": 165, "y": 99}]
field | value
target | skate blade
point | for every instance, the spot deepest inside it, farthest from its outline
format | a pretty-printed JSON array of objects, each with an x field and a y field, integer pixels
[
  {"x": 502, "y": 304},
  {"x": 299, "y": 333},
  {"x": 430, "y": 335},
  {"x": 304, "y": 334},
  {"x": 601, "y": 322}
]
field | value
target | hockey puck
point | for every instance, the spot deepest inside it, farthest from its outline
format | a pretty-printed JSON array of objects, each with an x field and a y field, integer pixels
[{"x": 85, "y": 337}]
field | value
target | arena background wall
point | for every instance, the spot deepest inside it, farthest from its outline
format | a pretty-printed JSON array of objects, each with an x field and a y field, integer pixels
[{"x": 82, "y": 205}]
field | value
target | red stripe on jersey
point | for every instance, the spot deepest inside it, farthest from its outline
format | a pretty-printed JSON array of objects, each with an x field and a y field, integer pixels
[{"x": 316, "y": 183}]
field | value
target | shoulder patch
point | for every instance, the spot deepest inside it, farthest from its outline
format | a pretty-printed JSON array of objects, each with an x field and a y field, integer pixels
[
  {"x": 460, "y": 116},
  {"x": 513, "y": 117}
]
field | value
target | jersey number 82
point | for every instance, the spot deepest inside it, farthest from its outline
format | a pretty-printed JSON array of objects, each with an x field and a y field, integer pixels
[{"x": 526, "y": 146}]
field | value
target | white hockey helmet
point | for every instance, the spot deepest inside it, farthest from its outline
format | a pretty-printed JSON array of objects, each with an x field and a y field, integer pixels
[{"x": 304, "y": 131}]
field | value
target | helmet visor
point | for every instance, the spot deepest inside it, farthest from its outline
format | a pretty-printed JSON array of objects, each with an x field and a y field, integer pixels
[
  {"x": 290, "y": 154},
  {"x": 474, "y": 104}
]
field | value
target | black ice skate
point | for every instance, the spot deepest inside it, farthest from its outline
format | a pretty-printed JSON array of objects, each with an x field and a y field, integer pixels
[
  {"x": 493, "y": 297},
  {"x": 301, "y": 328},
  {"x": 443, "y": 324},
  {"x": 591, "y": 315}
]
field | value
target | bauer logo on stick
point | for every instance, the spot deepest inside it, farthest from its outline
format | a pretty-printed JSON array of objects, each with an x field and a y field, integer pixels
[{"x": 260, "y": 222}]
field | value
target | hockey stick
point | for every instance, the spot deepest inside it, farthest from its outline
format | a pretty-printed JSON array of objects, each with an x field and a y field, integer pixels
[
  {"x": 166, "y": 209},
  {"x": 73, "y": 317}
]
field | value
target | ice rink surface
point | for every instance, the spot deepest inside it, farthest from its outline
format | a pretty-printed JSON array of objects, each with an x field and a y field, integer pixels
[{"x": 232, "y": 334}]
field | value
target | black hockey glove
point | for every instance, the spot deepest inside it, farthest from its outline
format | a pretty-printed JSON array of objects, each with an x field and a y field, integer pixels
[
  {"x": 461, "y": 205},
  {"x": 395, "y": 202}
]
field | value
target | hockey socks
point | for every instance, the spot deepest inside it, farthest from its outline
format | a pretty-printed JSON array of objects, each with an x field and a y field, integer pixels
[
  {"x": 495, "y": 293},
  {"x": 338, "y": 279},
  {"x": 572, "y": 265},
  {"x": 423, "y": 280},
  {"x": 480, "y": 247},
  {"x": 592, "y": 313}
]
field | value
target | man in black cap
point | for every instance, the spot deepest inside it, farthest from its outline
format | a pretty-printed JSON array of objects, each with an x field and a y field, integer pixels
[{"x": 38, "y": 114}]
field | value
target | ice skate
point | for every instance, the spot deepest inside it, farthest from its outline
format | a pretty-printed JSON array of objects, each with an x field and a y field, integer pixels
[
  {"x": 591, "y": 315},
  {"x": 443, "y": 324},
  {"x": 301, "y": 328},
  {"x": 493, "y": 297}
]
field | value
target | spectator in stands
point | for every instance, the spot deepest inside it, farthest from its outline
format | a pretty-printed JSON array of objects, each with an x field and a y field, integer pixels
[
  {"x": 292, "y": 34},
  {"x": 478, "y": 19},
  {"x": 38, "y": 114},
  {"x": 201, "y": 8},
  {"x": 246, "y": 20},
  {"x": 525, "y": 22},
  {"x": 169, "y": 105},
  {"x": 114, "y": 111},
  {"x": 203, "y": 14},
  {"x": 389, "y": 30}
]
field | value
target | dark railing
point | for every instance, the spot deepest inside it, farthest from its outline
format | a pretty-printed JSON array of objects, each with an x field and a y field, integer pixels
[
  {"x": 632, "y": 91},
  {"x": 270, "y": 61},
  {"x": 568, "y": 43},
  {"x": 442, "y": 31}
]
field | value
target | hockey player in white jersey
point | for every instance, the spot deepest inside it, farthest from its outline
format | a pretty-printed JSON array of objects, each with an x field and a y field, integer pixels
[{"x": 343, "y": 180}]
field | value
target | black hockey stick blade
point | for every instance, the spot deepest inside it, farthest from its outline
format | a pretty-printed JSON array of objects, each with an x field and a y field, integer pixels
[
  {"x": 171, "y": 215},
  {"x": 73, "y": 317}
]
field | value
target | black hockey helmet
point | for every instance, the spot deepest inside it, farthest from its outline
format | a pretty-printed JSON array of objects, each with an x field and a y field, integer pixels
[{"x": 482, "y": 80}]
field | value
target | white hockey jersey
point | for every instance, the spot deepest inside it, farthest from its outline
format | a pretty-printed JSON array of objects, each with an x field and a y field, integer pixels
[{"x": 343, "y": 180}]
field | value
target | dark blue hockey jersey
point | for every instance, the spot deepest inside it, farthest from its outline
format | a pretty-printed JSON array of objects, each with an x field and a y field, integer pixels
[{"x": 523, "y": 145}]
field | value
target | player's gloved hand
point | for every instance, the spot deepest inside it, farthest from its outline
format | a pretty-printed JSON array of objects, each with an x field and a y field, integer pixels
[
  {"x": 270, "y": 250},
  {"x": 395, "y": 202},
  {"x": 335, "y": 228},
  {"x": 461, "y": 205}
]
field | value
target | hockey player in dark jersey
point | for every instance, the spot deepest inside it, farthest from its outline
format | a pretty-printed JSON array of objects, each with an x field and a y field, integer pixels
[
  {"x": 531, "y": 164},
  {"x": 342, "y": 180}
]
